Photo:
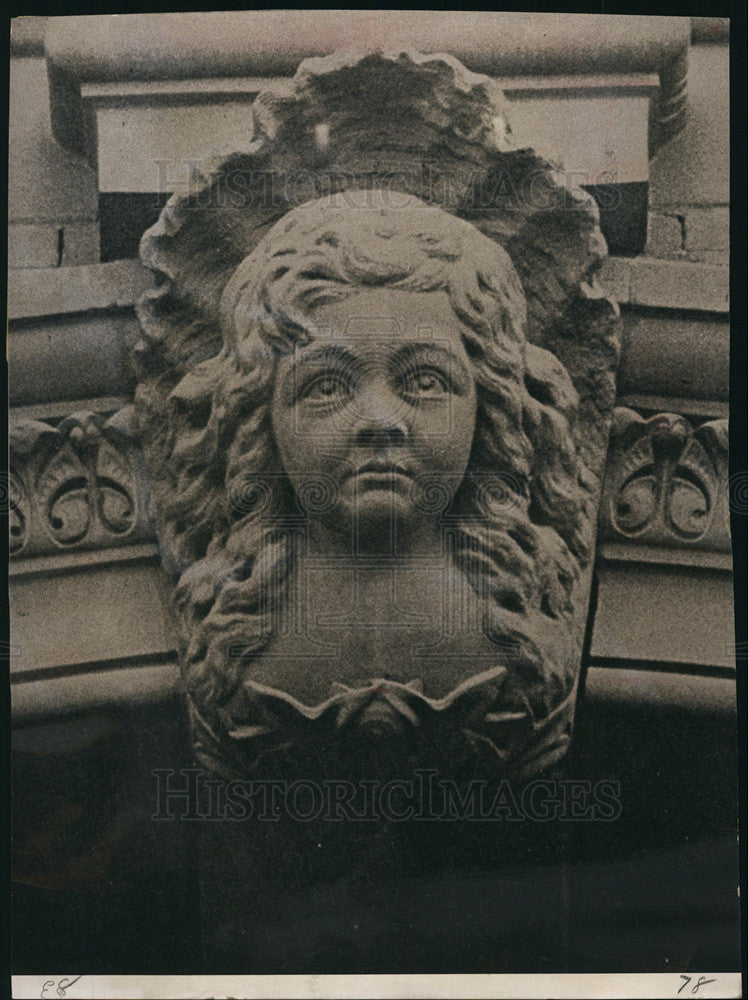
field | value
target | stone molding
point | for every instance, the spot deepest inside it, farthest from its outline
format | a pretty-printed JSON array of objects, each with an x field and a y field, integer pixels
[
  {"x": 27, "y": 36},
  {"x": 266, "y": 43},
  {"x": 147, "y": 683},
  {"x": 667, "y": 284},
  {"x": 59, "y": 291},
  {"x": 641, "y": 281},
  {"x": 681, "y": 359}
]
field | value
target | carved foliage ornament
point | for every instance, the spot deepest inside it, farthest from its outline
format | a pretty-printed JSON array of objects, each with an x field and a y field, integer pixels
[
  {"x": 77, "y": 485},
  {"x": 666, "y": 482},
  {"x": 389, "y": 177}
]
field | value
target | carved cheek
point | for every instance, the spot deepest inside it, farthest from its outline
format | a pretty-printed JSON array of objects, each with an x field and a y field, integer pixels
[{"x": 453, "y": 427}]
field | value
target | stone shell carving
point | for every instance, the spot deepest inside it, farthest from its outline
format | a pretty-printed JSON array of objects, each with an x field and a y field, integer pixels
[
  {"x": 78, "y": 485},
  {"x": 666, "y": 482}
]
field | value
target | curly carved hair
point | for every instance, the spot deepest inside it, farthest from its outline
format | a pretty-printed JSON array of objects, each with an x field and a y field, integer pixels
[{"x": 523, "y": 516}]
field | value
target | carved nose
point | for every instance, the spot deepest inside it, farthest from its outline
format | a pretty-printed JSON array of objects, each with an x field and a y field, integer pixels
[{"x": 381, "y": 437}]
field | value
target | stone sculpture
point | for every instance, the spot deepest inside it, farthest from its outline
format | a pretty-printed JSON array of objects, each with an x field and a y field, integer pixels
[{"x": 433, "y": 289}]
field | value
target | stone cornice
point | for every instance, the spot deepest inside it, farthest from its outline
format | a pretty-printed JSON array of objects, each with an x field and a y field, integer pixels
[
  {"x": 667, "y": 284},
  {"x": 158, "y": 46},
  {"x": 57, "y": 291},
  {"x": 147, "y": 47},
  {"x": 147, "y": 683}
]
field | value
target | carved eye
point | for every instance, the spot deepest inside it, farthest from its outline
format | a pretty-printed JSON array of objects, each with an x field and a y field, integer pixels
[
  {"x": 326, "y": 389},
  {"x": 425, "y": 383}
]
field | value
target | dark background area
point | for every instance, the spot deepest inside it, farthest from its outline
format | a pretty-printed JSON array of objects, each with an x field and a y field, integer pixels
[{"x": 102, "y": 887}]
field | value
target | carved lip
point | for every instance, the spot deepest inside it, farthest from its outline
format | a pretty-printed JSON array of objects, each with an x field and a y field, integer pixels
[{"x": 379, "y": 469}]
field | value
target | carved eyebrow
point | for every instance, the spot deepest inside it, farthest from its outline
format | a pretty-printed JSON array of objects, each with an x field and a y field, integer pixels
[
  {"x": 426, "y": 346},
  {"x": 412, "y": 352},
  {"x": 320, "y": 355}
]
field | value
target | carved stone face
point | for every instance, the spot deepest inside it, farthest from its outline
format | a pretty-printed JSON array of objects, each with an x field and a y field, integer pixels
[{"x": 381, "y": 399}]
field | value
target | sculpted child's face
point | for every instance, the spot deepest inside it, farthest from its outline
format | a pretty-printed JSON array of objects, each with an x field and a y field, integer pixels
[{"x": 382, "y": 397}]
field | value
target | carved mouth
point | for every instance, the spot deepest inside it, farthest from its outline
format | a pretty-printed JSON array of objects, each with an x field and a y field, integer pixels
[{"x": 381, "y": 471}]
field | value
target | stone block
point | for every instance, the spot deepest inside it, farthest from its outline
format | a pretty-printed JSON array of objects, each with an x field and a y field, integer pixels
[
  {"x": 659, "y": 599},
  {"x": 708, "y": 228},
  {"x": 70, "y": 357},
  {"x": 719, "y": 257},
  {"x": 61, "y": 290},
  {"x": 673, "y": 355},
  {"x": 75, "y": 618},
  {"x": 46, "y": 183},
  {"x": 80, "y": 244},
  {"x": 694, "y": 167},
  {"x": 31, "y": 245},
  {"x": 679, "y": 285},
  {"x": 664, "y": 234}
]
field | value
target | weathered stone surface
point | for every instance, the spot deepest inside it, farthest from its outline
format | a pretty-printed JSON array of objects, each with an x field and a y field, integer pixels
[
  {"x": 33, "y": 245},
  {"x": 71, "y": 357},
  {"x": 708, "y": 229},
  {"x": 72, "y": 330},
  {"x": 47, "y": 184},
  {"x": 52, "y": 245},
  {"x": 388, "y": 170},
  {"x": 80, "y": 244},
  {"x": 675, "y": 355},
  {"x": 264, "y": 42},
  {"x": 694, "y": 168},
  {"x": 679, "y": 284},
  {"x": 88, "y": 288},
  {"x": 664, "y": 235},
  {"x": 661, "y": 600},
  {"x": 88, "y": 619},
  {"x": 668, "y": 284}
]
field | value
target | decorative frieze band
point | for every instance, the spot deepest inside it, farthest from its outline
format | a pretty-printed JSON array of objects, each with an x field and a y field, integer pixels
[{"x": 82, "y": 484}]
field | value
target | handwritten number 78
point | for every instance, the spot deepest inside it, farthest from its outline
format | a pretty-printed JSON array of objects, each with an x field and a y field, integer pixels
[{"x": 701, "y": 981}]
